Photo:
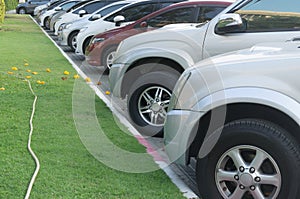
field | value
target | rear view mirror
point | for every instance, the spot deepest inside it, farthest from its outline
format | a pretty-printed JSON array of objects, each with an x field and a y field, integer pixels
[
  {"x": 58, "y": 8},
  {"x": 81, "y": 13},
  {"x": 96, "y": 16},
  {"x": 119, "y": 19},
  {"x": 143, "y": 24},
  {"x": 230, "y": 23}
]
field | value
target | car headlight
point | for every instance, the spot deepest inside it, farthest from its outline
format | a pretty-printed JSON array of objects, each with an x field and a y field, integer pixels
[
  {"x": 61, "y": 27},
  {"x": 67, "y": 25},
  {"x": 83, "y": 29},
  {"x": 174, "y": 103},
  {"x": 97, "y": 40}
]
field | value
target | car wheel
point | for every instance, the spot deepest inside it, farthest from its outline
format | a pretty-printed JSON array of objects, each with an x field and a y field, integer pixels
[
  {"x": 22, "y": 11},
  {"x": 47, "y": 23},
  {"x": 72, "y": 41},
  {"x": 148, "y": 100},
  {"x": 108, "y": 56},
  {"x": 252, "y": 159}
]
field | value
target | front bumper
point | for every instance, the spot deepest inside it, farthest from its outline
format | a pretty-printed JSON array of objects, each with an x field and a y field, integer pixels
[
  {"x": 62, "y": 37},
  {"x": 179, "y": 130}
]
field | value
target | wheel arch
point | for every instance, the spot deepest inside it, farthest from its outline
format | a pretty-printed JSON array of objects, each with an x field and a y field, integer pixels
[
  {"x": 233, "y": 112},
  {"x": 71, "y": 34},
  {"x": 18, "y": 11},
  {"x": 86, "y": 42},
  {"x": 130, "y": 74}
]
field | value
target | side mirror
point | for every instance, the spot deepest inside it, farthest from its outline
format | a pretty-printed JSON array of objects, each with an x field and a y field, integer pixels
[
  {"x": 119, "y": 19},
  {"x": 230, "y": 23},
  {"x": 96, "y": 16},
  {"x": 81, "y": 13},
  {"x": 58, "y": 8},
  {"x": 144, "y": 24}
]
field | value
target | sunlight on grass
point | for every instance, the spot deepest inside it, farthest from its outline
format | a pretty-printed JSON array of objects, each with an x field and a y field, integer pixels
[{"x": 68, "y": 170}]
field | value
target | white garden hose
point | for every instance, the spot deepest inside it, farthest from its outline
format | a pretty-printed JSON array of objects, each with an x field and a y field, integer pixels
[{"x": 37, "y": 163}]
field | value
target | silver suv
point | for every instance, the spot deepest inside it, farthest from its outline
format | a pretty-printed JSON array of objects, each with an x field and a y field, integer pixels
[
  {"x": 238, "y": 114},
  {"x": 153, "y": 61}
]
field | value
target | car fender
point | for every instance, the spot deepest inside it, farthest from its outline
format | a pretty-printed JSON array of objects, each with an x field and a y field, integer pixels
[
  {"x": 136, "y": 54},
  {"x": 261, "y": 96}
]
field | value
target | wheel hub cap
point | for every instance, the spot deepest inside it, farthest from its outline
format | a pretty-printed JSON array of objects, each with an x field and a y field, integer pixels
[
  {"x": 155, "y": 107},
  {"x": 246, "y": 180}
]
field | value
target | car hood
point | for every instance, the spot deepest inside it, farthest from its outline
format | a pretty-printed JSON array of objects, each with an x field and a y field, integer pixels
[
  {"x": 79, "y": 23},
  {"x": 169, "y": 34},
  {"x": 112, "y": 32},
  {"x": 257, "y": 53}
]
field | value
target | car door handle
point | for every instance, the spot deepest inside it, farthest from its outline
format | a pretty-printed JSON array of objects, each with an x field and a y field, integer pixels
[{"x": 294, "y": 39}]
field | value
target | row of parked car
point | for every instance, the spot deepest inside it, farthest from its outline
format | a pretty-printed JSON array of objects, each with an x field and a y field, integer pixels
[{"x": 218, "y": 81}]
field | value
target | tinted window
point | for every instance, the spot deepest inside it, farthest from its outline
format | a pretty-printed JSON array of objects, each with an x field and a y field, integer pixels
[
  {"x": 208, "y": 12},
  {"x": 68, "y": 5},
  {"x": 91, "y": 7},
  {"x": 109, "y": 9},
  {"x": 133, "y": 13},
  {"x": 180, "y": 15},
  {"x": 271, "y": 15}
]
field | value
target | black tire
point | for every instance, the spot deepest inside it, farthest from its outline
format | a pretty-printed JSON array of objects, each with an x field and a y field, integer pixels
[
  {"x": 107, "y": 56},
  {"x": 47, "y": 23},
  {"x": 164, "y": 81},
  {"x": 72, "y": 40},
  {"x": 250, "y": 138},
  {"x": 22, "y": 11}
]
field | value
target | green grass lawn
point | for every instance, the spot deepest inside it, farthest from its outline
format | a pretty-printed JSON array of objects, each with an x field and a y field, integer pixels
[{"x": 68, "y": 169}]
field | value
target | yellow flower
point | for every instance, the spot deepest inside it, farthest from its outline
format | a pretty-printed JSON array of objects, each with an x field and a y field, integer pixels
[
  {"x": 28, "y": 71},
  {"x": 40, "y": 82},
  {"x": 107, "y": 92},
  {"x": 88, "y": 79},
  {"x": 26, "y": 64},
  {"x": 10, "y": 73},
  {"x": 48, "y": 70},
  {"x": 66, "y": 72},
  {"x": 14, "y": 68},
  {"x": 34, "y": 73},
  {"x": 2, "y": 89},
  {"x": 28, "y": 77},
  {"x": 76, "y": 76}
]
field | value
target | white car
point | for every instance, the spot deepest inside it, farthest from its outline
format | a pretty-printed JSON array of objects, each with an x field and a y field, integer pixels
[
  {"x": 43, "y": 18},
  {"x": 123, "y": 16},
  {"x": 141, "y": 58},
  {"x": 238, "y": 115},
  {"x": 84, "y": 10},
  {"x": 68, "y": 33}
]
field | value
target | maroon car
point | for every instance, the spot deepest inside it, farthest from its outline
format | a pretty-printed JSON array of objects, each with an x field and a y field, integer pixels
[{"x": 102, "y": 48}]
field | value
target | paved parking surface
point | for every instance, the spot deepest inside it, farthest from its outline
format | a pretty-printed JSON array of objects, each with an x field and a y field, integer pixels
[{"x": 185, "y": 173}]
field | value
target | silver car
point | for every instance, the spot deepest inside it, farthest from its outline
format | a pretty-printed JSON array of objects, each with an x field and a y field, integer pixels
[{"x": 238, "y": 115}]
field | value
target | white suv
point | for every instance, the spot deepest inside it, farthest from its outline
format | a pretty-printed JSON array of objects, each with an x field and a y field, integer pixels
[
  {"x": 152, "y": 62},
  {"x": 238, "y": 114}
]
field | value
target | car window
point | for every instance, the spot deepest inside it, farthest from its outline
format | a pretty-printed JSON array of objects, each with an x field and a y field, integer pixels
[
  {"x": 133, "y": 13},
  {"x": 271, "y": 15},
  {"x": 109, "y": 9},
  {"x": 68, "y": 5},
  {"x": 180, "y": 15},
  {"x": 206, "y": 13},
  {"x": 91, "y": 7}
]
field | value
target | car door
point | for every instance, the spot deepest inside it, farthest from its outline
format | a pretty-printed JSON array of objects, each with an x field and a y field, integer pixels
[{"x": 263, "y": 21}]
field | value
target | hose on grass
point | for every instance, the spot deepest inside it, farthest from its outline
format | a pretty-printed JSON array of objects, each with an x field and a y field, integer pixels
[{"x": 37, "y": 163}]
